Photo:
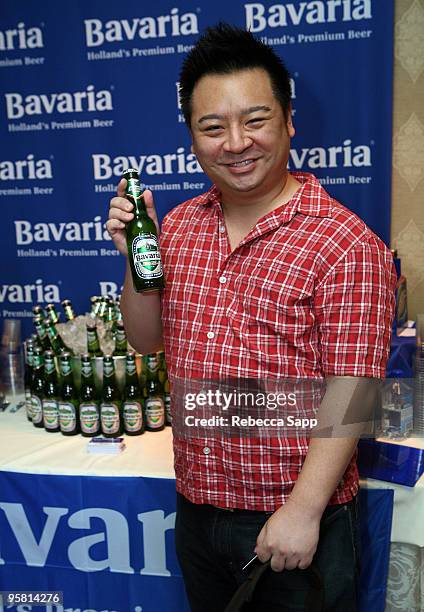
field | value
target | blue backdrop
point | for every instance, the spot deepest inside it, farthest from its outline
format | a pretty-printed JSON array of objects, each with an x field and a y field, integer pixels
[{"x": 89, "y": 87}]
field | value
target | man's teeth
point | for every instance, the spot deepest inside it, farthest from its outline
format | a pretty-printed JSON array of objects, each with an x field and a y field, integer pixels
[{"x": 242, "y": 163}]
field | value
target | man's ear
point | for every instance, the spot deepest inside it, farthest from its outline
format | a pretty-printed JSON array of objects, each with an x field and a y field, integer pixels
[
  {"x": 289, "y": 122},
  {"x": 192, "y": 148}
]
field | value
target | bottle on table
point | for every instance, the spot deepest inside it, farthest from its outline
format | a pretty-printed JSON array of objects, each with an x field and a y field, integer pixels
[
  {"x": 111, "y": 405},
  {"x": 133, "y": 401},
  {"x": 68, "y": 400},
  {"x": 95, "y": 303},
  {"x": 89, "y": 410},
  {"x": 110, "y": 311},
  {"x": 38, "y": 312},
  {"x": 154, "y": 405},
  {"x": 37, "y": 388},
  {"x": 121, "y": 343},
  {"x": 69, "y": 311},
  {"x": 41, "y": 330},
  {"x": 50, "y": 394},
  {"x": 29, "y": 355},
  {"x": 93, "y": 344},
  {"x": 56, "y": 342},
  {"x": 52, "y": 314},
  {"x": 102, "y": 309},
  {"x": 142, "y": 241}
]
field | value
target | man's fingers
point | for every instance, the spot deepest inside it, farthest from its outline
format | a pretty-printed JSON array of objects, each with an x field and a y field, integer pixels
[
  {"x": 150, "y": 206},
  {"x": 121, "y": 204},
  {"x": 113, "y": 225},
  {"x": 120, "y": 215},
  {"x": 122, "y": 187},
  {"x": 304, "y": 563},
  {"x": 278, "y": 562}
]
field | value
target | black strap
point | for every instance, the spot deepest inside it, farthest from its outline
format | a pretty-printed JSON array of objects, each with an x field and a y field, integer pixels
[{"x": 244, "y": 594}]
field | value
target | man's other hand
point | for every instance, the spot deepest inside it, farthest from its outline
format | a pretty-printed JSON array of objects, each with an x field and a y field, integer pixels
[{"x": 289, "y": 538}]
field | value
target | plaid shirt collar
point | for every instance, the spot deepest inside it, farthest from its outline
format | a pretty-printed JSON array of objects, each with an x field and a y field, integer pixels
[{"x": 309, "y": 200}]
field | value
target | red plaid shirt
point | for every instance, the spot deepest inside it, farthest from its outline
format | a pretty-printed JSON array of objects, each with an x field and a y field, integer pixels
[{"x": 308, "y": 293}]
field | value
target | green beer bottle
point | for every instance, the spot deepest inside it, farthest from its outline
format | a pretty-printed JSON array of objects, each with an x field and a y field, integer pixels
[
  {"x": 111, "y": 404},
  {"x": 37, "y": 388},
  {"x": 121, "y": 344},
  {"x": 68, "y": 400},
  {"x": 52, "y": 314},
  {"x": 56, "y": 341},
  {"x": 40, "y": 328},
  {"x": 102, "y": 308},
  {"x": 69, "y": 311},
  {"x": 154, "y": 405},
  {"x": 29, "y": 355},
  {"x": 89, "y": 411},
  {"x": 142, "y": 240},
  {"x": 133, "y": 401},
  {"x": 38, "y": 312},
  {"x": 93, "y": 344},
  {"x": 51, "y": 394}
]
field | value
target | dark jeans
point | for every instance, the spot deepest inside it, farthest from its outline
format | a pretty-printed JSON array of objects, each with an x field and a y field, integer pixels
[{"x": 213, "y": 545}]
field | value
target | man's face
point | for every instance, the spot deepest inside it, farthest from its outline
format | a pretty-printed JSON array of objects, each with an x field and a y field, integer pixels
[{"x": 239, "y": 132}]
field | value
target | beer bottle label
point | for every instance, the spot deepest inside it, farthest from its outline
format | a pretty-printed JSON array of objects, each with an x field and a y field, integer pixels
[
  {"x": 131, "y": 368},
  {"x": 37, "y": 409},
  {"x": 65, "y": 367},
  {"x": 49, "y": 366},
  {"x": 146, "y": 256},
  {"x": 86, "y": 370},
  {"x": 89, "y": 418},
  {"x": 108, "y": 368},
  {"x": 109, "y": 414},
  {"x": 67, "y": 416},
  {"x": 50, "y": 414},
  {"x": 132, "y": 416},
  {"x": 155, "y": 412}
]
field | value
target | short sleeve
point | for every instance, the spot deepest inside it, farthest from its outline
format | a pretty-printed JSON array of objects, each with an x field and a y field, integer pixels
[{"x": 354, "y": 309}]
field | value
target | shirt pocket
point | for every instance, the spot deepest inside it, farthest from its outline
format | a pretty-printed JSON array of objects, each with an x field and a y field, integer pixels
[{"x": 272, "y": 314}]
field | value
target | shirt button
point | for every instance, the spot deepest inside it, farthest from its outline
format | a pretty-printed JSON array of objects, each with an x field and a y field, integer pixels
[
  {"x": 206, "y": 450},
  {"x": 210, "y": 335},
  {"x": 222, "y": 229},
  {"x": 222, "y": 280}
]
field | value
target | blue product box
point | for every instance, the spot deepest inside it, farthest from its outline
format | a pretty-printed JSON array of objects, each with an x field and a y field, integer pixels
[{"x": 391, "y": 462}]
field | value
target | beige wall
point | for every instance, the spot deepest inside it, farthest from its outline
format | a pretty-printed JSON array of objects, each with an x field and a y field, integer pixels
[{"x": 407, "y": 233}]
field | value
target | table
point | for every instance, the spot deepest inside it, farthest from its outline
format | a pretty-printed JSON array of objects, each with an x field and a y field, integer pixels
[{"x": 30, "y": 458}]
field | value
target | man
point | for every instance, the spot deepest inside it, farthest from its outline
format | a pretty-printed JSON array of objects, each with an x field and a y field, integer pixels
[{"x": 267, "y": 277}]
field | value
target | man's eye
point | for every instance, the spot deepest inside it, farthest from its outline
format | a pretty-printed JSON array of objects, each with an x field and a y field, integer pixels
[
  {"x": 256, "y": 120},
  {"x": 212, "y": 128}
]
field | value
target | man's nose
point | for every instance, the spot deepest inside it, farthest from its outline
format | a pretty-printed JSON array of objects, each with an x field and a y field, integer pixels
[{"x": 237, "y": 140}]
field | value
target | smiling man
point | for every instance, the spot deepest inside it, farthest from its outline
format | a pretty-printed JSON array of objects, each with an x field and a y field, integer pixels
[{"x": 267, "y": 278}]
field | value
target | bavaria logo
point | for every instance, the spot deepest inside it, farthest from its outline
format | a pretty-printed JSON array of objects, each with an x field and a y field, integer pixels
[
  {"x": 36, "y": 293},
  {"x": 259, "y": 16},
  {"x": 180, "y": 162},
  {"x": 98, "y": 32},
  {"x": 89, "y": 100},
  {"x": 347, "y": 156},
  {"x": 24, "y": 169},
  {"x": 21, "y": 38},
  {"x": 89, "y": 231}
]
